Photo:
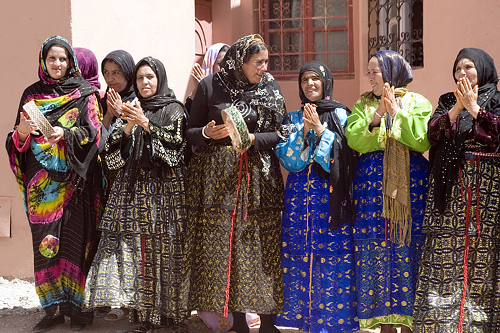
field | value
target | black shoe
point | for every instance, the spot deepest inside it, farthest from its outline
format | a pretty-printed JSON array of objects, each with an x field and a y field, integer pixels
[
  {"x": 76, "y": 325},
  {"x": 270, "y": 329},
  {"x": 48, "y": 322}
]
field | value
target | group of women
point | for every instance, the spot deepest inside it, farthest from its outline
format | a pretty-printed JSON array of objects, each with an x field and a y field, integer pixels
[{"x": 366, "y": 233}]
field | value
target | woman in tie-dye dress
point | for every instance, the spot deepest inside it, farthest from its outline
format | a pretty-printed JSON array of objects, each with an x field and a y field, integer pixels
[{"x": 60, "y": 181}]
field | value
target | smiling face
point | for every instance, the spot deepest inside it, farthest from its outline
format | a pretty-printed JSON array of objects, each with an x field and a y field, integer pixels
[
  {"x": 57, "y": 62},
  {"x": 466, "y": 68},
  {"x": 375, "y": 76},
  {"x": 114, "y": 77},
  {"x": 146, "y": 81},
  {"x": 311, "y": 85},
  {"x": 256, "y": 66}
]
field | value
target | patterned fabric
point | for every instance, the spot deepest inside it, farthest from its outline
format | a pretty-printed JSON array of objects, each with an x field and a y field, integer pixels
[
  {"x": 395, "y": 69},
  {"x": 318, "y": 263},
  {"x": 61, "y": 186},
  {"x": 386, "y": 272},
  {"x": 139, "y": 262},
  {"x": 442, "y": 278},
  {"x": 256, "y": 283},
  {"x": 89, "y": 67},
  {"x": 210, "y": 58}
]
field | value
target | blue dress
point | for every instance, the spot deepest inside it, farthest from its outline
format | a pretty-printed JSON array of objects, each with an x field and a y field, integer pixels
[{"x": 318, "y": 262}]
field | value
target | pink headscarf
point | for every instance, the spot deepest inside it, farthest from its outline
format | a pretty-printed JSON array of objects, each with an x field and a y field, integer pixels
[{"x": 210, "y": 57}]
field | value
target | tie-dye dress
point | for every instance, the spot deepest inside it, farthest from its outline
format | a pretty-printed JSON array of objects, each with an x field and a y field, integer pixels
[{"x": 61, "y": 186}]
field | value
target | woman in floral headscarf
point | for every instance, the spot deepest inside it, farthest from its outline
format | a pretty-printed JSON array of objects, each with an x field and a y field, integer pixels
[
  {"x": 234, "y": 195},
  {"x": 458, "y": 286},
  {"x": 388, "y": 125},
  {"x": 60, "y": 182}
]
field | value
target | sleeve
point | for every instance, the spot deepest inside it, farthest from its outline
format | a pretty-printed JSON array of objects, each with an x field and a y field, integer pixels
[
  {"x": 294, "y": 153},
  {"x": 198, "y": 116},
  {"x": 410, "y": 123},
  {"x": 167, "y": 140},
  {"x": 358, "y": 133},
  {"x": 117, "y": 147},
  {"x": 26, "y": 144},
  {"x": 323, "y": 149},
  {"x": 487, "y": 127}
]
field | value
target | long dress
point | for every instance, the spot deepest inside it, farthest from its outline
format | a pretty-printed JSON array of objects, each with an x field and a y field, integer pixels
[
  {"x": 385, "y": 270},
  {"x": 221, "y": 182},
  {"x": 318, "y": 263},
  {"x": 459, "y": 277},
  {"x": 61, "y": 186}
]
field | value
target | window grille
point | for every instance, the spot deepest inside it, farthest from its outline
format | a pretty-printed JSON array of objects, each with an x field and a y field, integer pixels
[
  {"x": 298, "y": 31},
  {"x": 397, "y": 25}
]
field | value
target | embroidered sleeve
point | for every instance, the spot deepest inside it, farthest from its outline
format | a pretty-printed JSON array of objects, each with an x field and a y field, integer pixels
[
  {"x": 294, "y": 153},
  {"x": 168, "y": 143},
  {"x": 487, "y": 128}
]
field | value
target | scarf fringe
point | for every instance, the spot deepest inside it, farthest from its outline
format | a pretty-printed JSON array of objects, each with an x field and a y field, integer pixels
[{"x": 400, "y": 222}]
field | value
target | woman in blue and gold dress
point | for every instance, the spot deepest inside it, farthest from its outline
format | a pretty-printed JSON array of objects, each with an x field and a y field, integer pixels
[
  {"x": 317, "y": 244},
  {"x": 388, "y": 125}
]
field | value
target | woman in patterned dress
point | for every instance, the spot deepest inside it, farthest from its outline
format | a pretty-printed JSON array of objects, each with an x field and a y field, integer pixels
[
  {"x": 458, "y": 286},
  {"x": 235, "y": 196},
  {"x": 60, "y": 182},
  {"x": 318, "y": 258},
  {"x": 388, "y": 125},
  {"x": 139, "y": 260}
]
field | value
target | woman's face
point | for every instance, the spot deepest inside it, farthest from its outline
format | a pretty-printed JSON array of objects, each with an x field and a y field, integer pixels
[
  {"x": 375, "y": 76},
  {"x": 311, "y": 85},
  {"x": 256, "y": 66},
  {"x": 217, "y": 62},
  {"x": 147, "y": 81},
  {"x": 113, "y": 75},
  {"x": 466, "y": 68},
  {"x": 57, "y": 62}
]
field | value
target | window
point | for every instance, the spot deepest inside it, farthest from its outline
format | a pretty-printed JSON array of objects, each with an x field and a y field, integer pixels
[
  {"x": 298, "y": 31},
  {"x": 397, "y": 25}
]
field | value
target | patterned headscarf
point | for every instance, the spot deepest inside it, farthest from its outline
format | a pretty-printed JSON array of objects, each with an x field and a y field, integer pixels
[
  {"x": 210, "y": 58},
  {"x": 89, "y": 68},
  {"x": 395, "y": 69},
  {"x": 265, "y": 96},
  {"x": 343, "y": 158}
]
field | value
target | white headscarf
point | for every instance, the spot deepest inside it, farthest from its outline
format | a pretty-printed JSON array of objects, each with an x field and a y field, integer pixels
[{"x": 210, "y": 57}]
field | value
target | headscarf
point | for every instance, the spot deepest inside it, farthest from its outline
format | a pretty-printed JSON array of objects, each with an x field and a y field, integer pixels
[
  {"x": 343, "y": 158},
  {"x": 265, "y": 96},
  {"x": 127, "y": 65},
  {"x": 89, "y": 68},
  {"x": 395, "y": 69},
  {"x": 69, "y": 102},
  {"x": 448, "y": 155},
  {"x": 210, "y": 58},
  {"x": 396, "y": 165}
]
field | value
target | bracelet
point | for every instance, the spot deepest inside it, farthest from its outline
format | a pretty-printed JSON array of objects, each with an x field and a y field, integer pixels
[
  {"x": 22, "y": 133},
  {"x": 203, "y": 133},
  {"x": 378, "y": 114}
]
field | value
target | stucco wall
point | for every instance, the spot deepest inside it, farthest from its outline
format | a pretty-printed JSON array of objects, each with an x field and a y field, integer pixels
[{"x": 160, "y": 28}]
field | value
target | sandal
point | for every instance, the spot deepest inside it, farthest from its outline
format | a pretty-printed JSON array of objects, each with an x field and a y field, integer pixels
[{"x": 116, "y": 314}]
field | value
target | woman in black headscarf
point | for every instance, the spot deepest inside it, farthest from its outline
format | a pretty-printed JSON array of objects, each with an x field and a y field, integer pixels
[
  {"x": 60, "y": 181},
  {"x": 459, "y": 280},
  {"x": 317, "y": 242},
  {"x": 139, "y": 261},
  {"x": 235, "y": 196}
]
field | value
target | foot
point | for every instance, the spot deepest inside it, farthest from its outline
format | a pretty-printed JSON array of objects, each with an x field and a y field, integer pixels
[
  {"x": 76, "y": 325},
  {"x": 116, "y": 314},
  {"x": 48, "y": 322},
  {"x": 387, "y": 328},
  {"x": 405, "y": 329}
]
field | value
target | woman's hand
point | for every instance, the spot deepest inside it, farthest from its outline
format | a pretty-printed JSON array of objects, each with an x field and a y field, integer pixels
[
  {"x": 25, "y": 127},
  {"x": 56, "y": 136},
  {"x": 135, "y": 115},
  {"x": 216, "y": 132},
  {"x": 391, "y": 105},
  {"x": 114, "y": 102},
  {"x": 197, "y": 75},
  {"x": 311, "y": 119},
  {"x": 468, "y": 96}
]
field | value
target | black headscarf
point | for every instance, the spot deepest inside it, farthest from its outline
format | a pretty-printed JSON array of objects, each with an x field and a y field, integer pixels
[
  {"x": 265, "y": 96},
  {"x": 343, "y": 158},
  {"x": 127, "y": 64},
  {"x": 446, "y": 158}
]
